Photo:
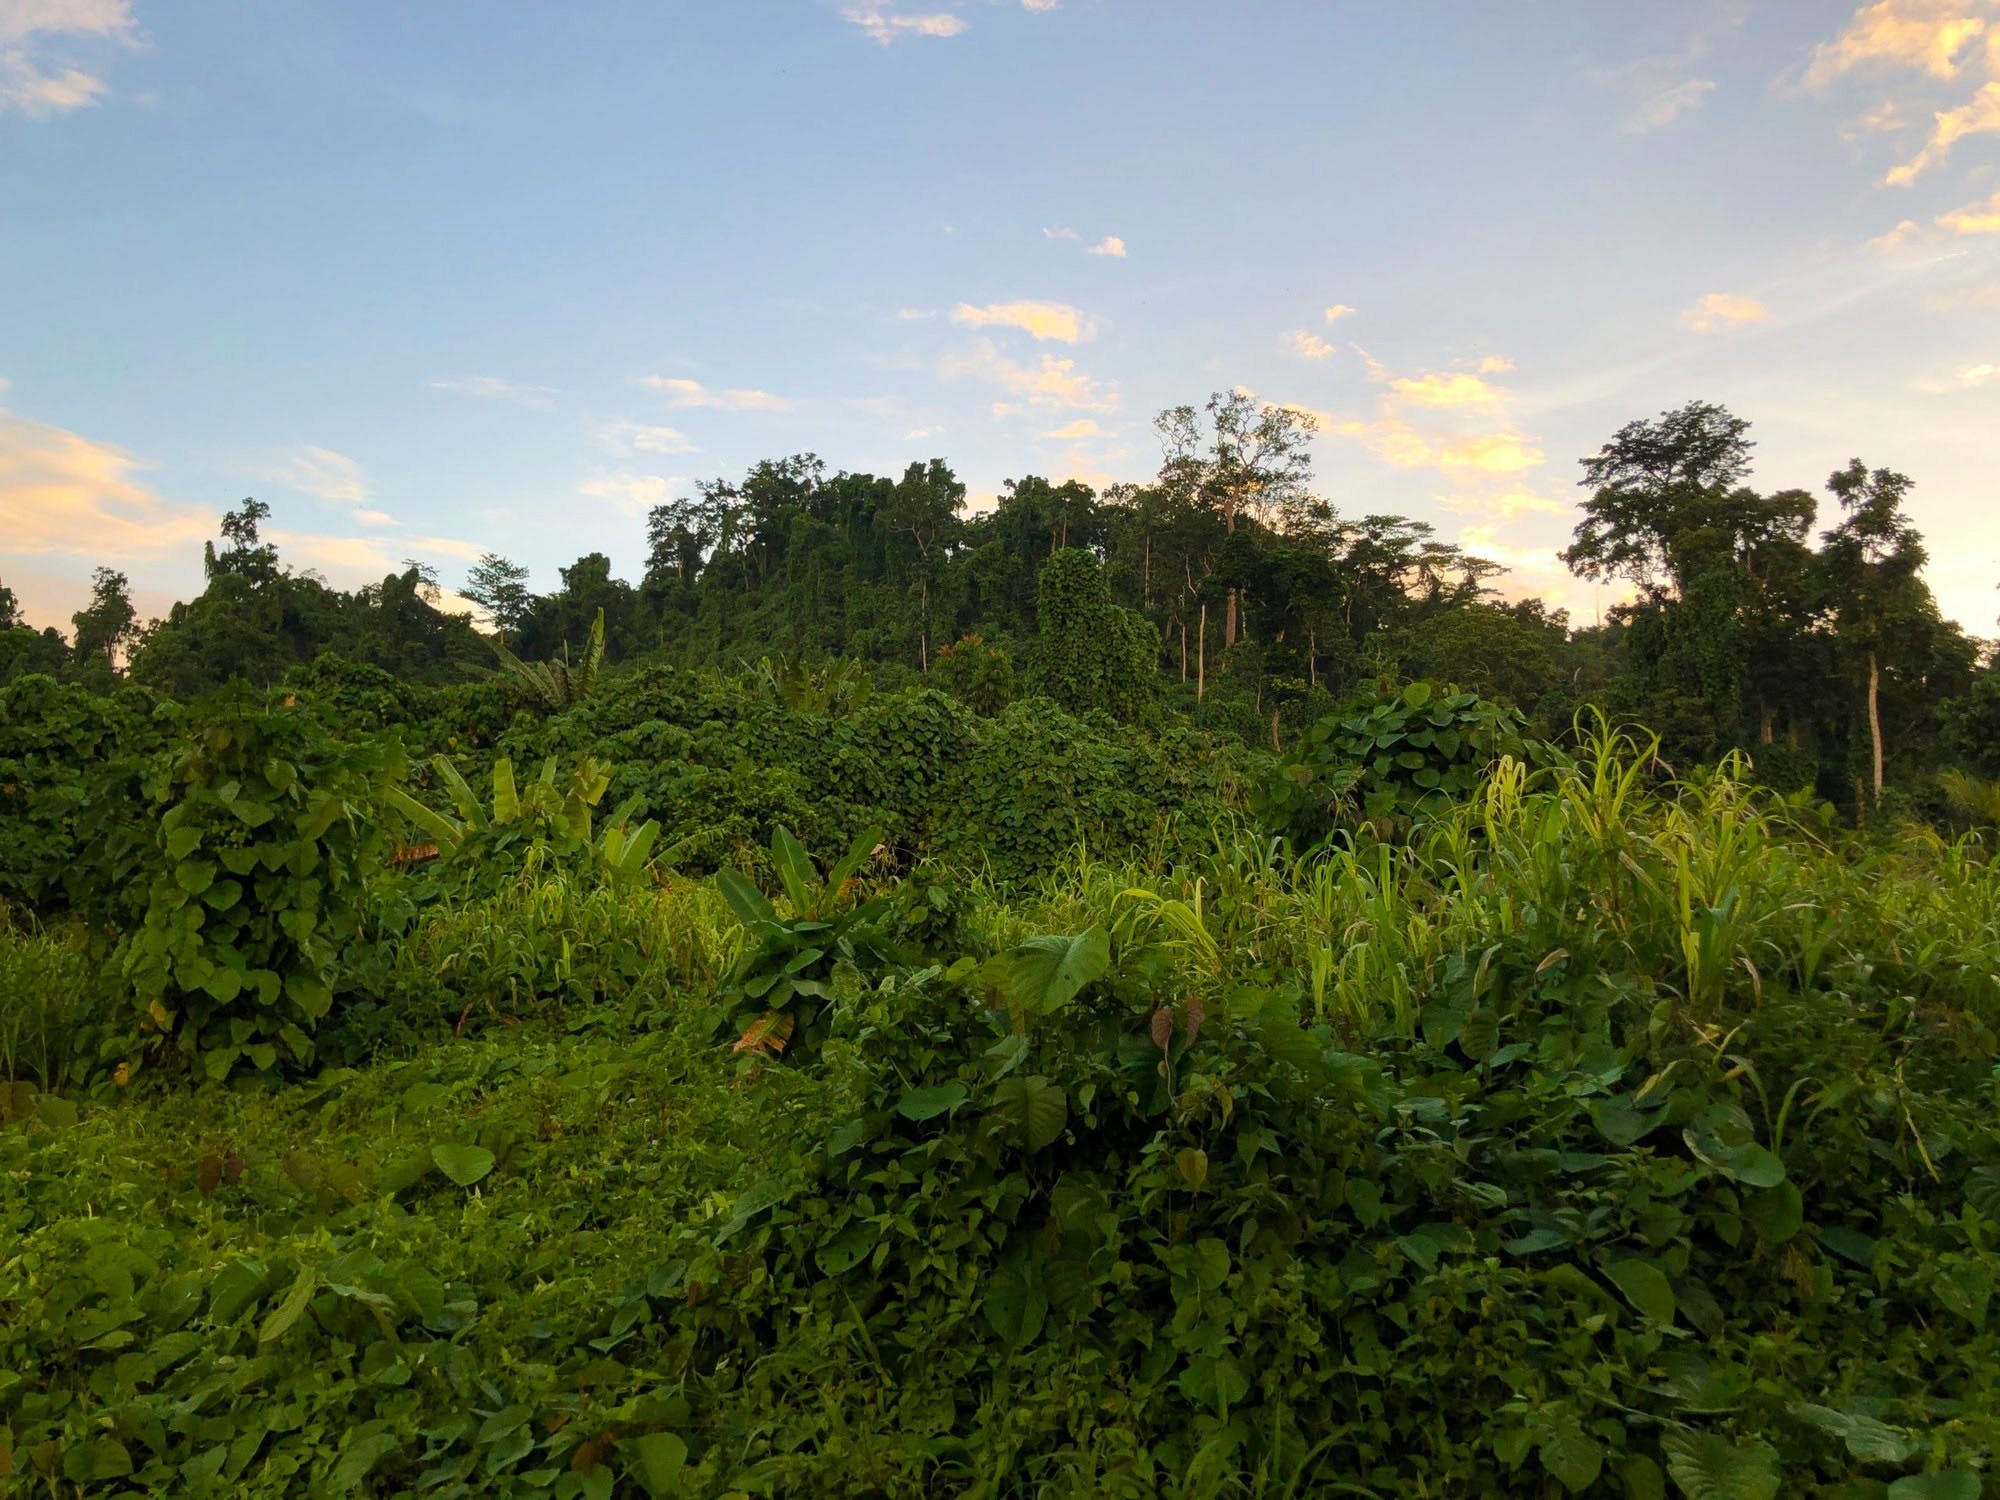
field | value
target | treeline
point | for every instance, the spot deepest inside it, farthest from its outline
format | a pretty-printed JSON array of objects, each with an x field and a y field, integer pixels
[{"x": 1227, "y": 592}]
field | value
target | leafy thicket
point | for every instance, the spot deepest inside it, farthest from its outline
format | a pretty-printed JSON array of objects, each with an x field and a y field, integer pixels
[
  {"x": 1675, "y": 1173},
  {"x": 1391, "y": 755},
  {"x": 263, "y": 834}
]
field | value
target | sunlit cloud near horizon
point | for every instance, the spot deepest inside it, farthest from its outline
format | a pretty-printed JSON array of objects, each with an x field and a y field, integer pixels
[{"x": 428, "y": 294}]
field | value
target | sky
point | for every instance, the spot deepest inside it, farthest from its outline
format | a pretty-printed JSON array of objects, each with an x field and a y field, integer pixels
[{"x": 466, "y": 275}]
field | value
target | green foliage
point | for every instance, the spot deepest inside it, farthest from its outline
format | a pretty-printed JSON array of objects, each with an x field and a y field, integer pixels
[
  {"x": 797, "y": 964},
  {"x": 60, "y": 749},
  {"x": 557, "y": 684},
  {"x": 1390, "y": 755},
  {"x": 253, "y": 880},
  {"x": 59, "y": 1025},
  {"x": 979, "y": 675},
  {"x": 1089, "y": 652}
]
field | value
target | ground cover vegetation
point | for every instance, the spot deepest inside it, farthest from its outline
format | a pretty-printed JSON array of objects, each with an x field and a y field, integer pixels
[{"x": 1161, "y": 993}]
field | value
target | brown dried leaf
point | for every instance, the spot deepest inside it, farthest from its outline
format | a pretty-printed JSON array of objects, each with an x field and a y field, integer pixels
[
  {"x": 1163, "y": 1028},
  {"x": 1192, "y": 1015},
  {"x": 767, "y": 1034}
]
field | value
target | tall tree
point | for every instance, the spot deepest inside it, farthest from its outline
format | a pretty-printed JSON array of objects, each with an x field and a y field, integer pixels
[
  {"x": 1873, "y": 561},
  {"x": 108, "y": 623},
  {"x": 1246, "y": 458},
  {"x": 500, "y": 587}
]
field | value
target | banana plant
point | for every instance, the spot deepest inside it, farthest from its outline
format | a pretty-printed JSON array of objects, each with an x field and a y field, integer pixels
[
  {"x": 545, "y": 808},
  {"x": 559, "y": 683},
  {"x": 786, "y": 979}
]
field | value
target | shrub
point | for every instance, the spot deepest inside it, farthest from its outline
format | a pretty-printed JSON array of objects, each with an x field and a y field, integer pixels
[{"x": 253, "y": 881}]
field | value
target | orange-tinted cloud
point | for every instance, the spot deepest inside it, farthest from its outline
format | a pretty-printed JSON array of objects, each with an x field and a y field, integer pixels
[
  {"x": 1720, "y": 310},
  {"x": 61, "y": 493},
  {"x": 1056, "y": 321}
]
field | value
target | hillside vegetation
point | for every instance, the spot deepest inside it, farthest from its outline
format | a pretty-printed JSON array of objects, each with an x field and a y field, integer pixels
[{"x": 919, "y": 1059}]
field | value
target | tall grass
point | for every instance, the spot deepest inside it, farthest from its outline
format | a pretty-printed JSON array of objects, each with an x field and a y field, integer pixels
[
  {"x": 53, "y": 1005},
  {"x": 1719, "y": 892}
]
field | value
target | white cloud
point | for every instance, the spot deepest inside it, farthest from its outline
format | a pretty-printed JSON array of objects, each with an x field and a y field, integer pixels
[
  {"x": 1970, "y": 378},
  {"x": 1071, "y": 432},
  {"x": 1506, "y": 505},
  {"x": 494, "y": 388},
  {"x": 32, "y": 84},
  {"x": 1925, "y": 34},
  {"x": 1110, "y": 245},
  {"x": 1338, "y": 311},
  {"x": 1661, "y": 107},
  {"x": 1463, "y": 431},
  {"x": 884, "y": 26},
  {"x": 1722, "y": 310},
  {"x": 1974, "y": 218},
  {"x": 625, "y": 437},
  {"x": 692, "y": 393},
  {"x": 61, "y": 493},
  {"x": 914, "y": 314},
  {"x": 1495, "y": 364},
  {"x": 1050, "y": 382},
  {"x": 1979, "y": 116},
  {"x": 1056, "y": 321},
  {"x": 1309, "y": 345},
  {"x": 631, "y": 494},
  {"x": 1064, "y": 233},
  {"x": 323, "y": 473}
]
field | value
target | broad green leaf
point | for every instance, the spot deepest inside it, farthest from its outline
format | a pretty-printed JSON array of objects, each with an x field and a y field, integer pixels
[
  {"x": 1046, "y": 973},
  {"x": 1573, "y": 1456},
  {"x": 1032, "y": 1109},
  {"x": 506, "y": 796},
  {"x": 1015, "y": 1305},
  {"x": 788, "y": 857},
  {"x": 364, "y": 1451},
  {"x": 1645, "y": 1287},
  {"x": 1946, "y": 1484},
  {"x": 657, "y": 1461},
  {"x": 1777, "y": 1213},
  {"x": 285, "y": 1316},
  {"x": 750, "y": 904},
  {"x": 464, "y": 1165},
  {"x": 1708, "y": 1466},
  {"x": 96, "y": 1459},
  {"x": 928, "y": 1103},
  {"x": 1865, "y": 1437}
]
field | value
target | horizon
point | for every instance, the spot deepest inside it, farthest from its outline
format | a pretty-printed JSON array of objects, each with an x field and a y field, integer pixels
[{"x": 458, "y": 281}]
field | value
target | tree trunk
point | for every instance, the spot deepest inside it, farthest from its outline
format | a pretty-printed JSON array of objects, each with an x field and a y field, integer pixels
[
  {"x": 1875, "y": 719},
  {"x": 1229, "y": 621},
  {"x": 1312, "y": 656},
  {"x": 924, "y": 630},
  {"x": 1201, "y": 656},
  {"x": 1763, "y": 721},
  {"x": 1276, "y": 748},
  {"x": 1184, "y": 651}
]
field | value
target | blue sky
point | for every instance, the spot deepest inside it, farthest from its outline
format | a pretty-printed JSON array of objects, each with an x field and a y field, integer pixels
[{"x": 445, "y": 277}]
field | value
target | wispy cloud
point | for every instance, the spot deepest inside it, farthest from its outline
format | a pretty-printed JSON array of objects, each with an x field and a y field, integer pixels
[
  {"x": 1048, "y": 383},
  {"x": 33, "y": 83},
  {"x": 1338, "y": 311},
  {"x": 327, "y": 475},
  {"x": 1969, "y": 378},
  {"x": 1656, "y": 91},
  {"x": 1723, "y": 310},
  {"x": 494, "y": 388},
  {"x": 1974, "y": 218},
  {"x": 1043, "y": 321},
  {"x": 882, "y": 25},
  {"x": 631, "y": 494},
  {"x": 1309, "y": 345},
  {"x": 625, "y": 437},
  {"x": 1075, "y": 431},
  {"x": 63, "y": 494},
  {"x": 1061, "y": 233},
  {"x": 1506, "y": 505},
  {"x": 1943, "y": 40},
  {"x": 692, "y": 393},
  {"x": 1110, "y": 245}
]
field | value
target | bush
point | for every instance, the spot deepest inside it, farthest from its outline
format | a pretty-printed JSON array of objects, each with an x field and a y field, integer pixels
[{"x": 253, "y": 881}]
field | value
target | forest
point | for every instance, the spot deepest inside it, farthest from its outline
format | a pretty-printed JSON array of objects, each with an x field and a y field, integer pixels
[{"x": 1169, "y": 990}]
